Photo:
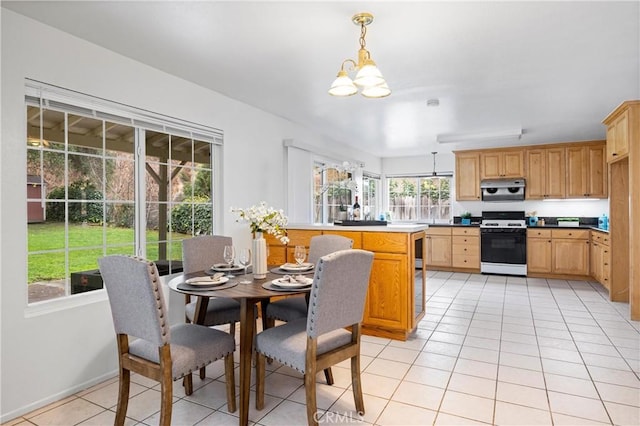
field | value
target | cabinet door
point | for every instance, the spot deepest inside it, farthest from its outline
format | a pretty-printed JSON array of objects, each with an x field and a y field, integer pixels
[
  {"x": 491, "y": 165},
  {"x": 512, "y": 164},
  {"x": 618, "y": 138},
  {"x": 595, "y": 261},
  {"x": 467, "y": 177},
  {"x": 570, "y": 256},
  {"x": 597, "y": 175},
  {"x": 539, "y": 255},
  {"x": 386, "y": 303},
  {"x": 576, "y": 172},
  {"x": 555, "y": 177},
  {"x": 536, "y": 171},
  {"x": 439, "y": 250}
]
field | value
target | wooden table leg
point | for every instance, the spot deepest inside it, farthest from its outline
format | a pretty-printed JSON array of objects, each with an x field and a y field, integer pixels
[{"x": 247, "y": 323}]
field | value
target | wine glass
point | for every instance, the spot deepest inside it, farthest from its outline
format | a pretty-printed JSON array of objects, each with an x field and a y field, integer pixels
[
  {"x": 229, "y": 255},
  {"x": 300, "y": 254},
  {"x": 245, "y": 260}
]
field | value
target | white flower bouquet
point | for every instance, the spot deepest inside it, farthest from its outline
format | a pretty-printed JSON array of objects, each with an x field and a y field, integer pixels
[{"x": 264, "y": 219}]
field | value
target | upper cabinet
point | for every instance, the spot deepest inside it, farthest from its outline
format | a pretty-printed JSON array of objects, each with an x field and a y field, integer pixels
[
  {"x": 545, "y": 177},
  {"x": 502, "y": 164},
  {"x": 586, "y": 171},
  {"x": 563, "y": 170},
  {"x": 619, "y": 124},
  {"x": 467, "y": 176}
]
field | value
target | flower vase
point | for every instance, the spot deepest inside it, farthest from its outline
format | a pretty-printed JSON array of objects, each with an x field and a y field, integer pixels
[{"x": 259, "y": 256}]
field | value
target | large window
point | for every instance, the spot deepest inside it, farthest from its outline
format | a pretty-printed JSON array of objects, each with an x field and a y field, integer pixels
[
  {"x": 420, "y": 198},
  {"x": 332, "y": 193},
  {"x": 101, "y": 184},
  {"x": 370, "y": 197}
]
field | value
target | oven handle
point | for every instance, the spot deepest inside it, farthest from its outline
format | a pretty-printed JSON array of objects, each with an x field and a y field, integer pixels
[{"x": 503, "y": 231}]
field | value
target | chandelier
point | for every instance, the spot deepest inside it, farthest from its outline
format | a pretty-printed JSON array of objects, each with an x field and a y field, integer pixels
[{"x": 368, "y": 78}]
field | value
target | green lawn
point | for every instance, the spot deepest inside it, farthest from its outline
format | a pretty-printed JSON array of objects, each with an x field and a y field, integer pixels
[{"x": 50, "y": 236}]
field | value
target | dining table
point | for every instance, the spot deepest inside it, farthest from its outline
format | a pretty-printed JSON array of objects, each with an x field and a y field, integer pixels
[{"x": 249, "y": 295}]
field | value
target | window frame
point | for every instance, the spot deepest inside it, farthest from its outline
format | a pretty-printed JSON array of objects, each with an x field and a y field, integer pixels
[{"x": 52, "y": 98}]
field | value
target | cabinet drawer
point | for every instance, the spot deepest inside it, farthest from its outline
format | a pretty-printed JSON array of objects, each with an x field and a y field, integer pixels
[
  {"x": 466, "y": 231},
  {"x": 600, "y": 237},
  {"x": 578, "y": 234},
  {"x": 465, "y": 249},
  {"x": 466, "y": 261},
  {"x": 441, "y": 230},
  {"x": 387, "y": 242},
  {"x": 355, "y": 236},
  {"x": 470, "y": 241},
  {"x": 538, "y": 233}
]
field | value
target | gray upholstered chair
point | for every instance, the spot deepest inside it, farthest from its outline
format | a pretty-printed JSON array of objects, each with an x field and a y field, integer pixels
[
  {"x": 160, "y": 352},
  {"x": 309, "y": 345},
  {"x": 295, "y": 307}
]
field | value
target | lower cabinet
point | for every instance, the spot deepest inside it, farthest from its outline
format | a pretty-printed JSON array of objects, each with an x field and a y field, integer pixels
[
  {"x": 453, "y": 247},
  {"x": 396, "y": 296},
  {"x": 438, "y": 247},
  {"x": 558, "y": 251},
  {"x": 600, "y": 262}
]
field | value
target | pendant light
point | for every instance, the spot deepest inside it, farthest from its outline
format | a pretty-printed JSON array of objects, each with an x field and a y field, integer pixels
[
  {"x": 368, "y": 77},
  {"x": 434, "y": 173}
]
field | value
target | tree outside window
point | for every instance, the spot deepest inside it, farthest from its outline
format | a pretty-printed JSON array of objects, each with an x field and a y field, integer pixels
[{"x": 420, "y": 198}]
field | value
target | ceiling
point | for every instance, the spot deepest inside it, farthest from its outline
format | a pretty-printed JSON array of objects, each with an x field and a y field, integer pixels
[{"x": 552, "y": 69}]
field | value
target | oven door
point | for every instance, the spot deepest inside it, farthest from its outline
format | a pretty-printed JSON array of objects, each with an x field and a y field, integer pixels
[{"x": 503, "y": 245}]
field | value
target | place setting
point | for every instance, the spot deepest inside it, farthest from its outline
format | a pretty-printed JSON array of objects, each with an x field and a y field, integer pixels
[
  {"x": 217, "y": 281},
  {"x": 300, "y": 267},
  {"x": 289, "y": 283}
]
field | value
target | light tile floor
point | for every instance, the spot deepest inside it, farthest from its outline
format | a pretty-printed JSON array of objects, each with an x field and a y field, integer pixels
[{"x": 490, "y": 350}]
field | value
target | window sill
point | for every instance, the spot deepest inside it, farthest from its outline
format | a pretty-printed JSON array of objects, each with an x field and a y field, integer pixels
[{"x": 63, "y": 303}]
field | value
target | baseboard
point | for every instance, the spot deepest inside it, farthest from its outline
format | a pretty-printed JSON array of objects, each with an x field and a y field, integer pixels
[{"x": 5, "y": 417}]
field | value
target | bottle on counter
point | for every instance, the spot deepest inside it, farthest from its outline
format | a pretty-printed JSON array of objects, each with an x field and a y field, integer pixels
[
  {"x": 356, "y": 210},
  {"x": 603, "y": 222}
]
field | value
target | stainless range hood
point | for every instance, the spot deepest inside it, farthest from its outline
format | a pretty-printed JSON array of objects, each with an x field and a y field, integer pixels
[{"x": 502, "y": 189}]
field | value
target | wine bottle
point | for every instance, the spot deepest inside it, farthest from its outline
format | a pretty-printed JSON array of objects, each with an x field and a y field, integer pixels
[{"x": 356, "y": 210}]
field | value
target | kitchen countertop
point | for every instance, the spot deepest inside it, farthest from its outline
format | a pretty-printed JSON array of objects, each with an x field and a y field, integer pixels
[
  {"x": 405, "y": 227},
  {"x": 476, "y": 225}
]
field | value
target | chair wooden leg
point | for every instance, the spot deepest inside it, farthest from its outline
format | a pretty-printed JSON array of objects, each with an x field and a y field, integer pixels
[
  {"x": 123, "y": 396},
  {"x": 310, "y": 393},
  {"x": 328, "y": 375},
  {"x": 188, "y": 384},
  {"x": 356, "y": 384},
  {"x": 260, "y": 367},
  {"x": 166, "y": 386},
  {"x": 229, "y": 377}
]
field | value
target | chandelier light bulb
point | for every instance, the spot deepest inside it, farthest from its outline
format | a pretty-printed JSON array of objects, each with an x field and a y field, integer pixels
[
  {"x": 379, "y": 91},
  {"x": 342, "y": 85}
]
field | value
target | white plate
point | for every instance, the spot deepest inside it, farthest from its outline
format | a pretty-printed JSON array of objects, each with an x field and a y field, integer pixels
[
  {"x": 224, "y": 267},
  {"x": 206, "y": 281},
  {"x": 294, "y": 267},
  {"x": 282, "y": 283}
]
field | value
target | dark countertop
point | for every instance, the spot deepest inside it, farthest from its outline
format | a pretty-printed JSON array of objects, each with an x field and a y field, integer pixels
[{"x": 476, "y": 225}]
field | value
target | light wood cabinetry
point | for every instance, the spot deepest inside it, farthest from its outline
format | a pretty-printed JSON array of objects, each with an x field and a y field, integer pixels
[
  {"x": 618, "y": 136},
  {"x": 467, "y": 176},
  {"x": 438, "y": 247},
  {"x": 623, "y": 155},
  {"x": 600, "y": 262},
  {"x": 586, "y": 171},
  {"x": 570, "y": 252},
  {"x": 465, "y": 248},
  {"x": 545, "y": 177},
  {"x": 539, "y": 251},
  {"x": 396, "y": 296},
  {"x": 558, "y": 252},
  {"x": 502, "y": 164},
  {"x": 563, "y": 170}
]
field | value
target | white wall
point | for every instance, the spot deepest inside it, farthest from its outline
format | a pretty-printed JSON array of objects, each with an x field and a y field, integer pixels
[{"x": 50, "y": 353}]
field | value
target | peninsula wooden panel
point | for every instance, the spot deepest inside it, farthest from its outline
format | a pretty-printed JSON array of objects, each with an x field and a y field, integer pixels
[
  {"x": 388, "y": 242},
  {"x": 386, "y": 305}
]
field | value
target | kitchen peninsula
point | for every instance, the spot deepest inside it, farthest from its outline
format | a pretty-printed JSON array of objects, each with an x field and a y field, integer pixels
[{"x": 396, "y": 297}]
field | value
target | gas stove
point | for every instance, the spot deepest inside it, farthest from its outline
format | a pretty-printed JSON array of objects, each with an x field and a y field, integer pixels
[
  {"x": 503, "y": 220},
  {"x": 503, "y": 243}
]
